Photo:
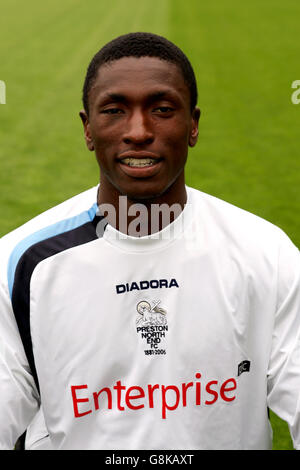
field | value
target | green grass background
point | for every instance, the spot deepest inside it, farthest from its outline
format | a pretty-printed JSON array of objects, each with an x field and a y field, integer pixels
[{"x": 245, "y": 55}]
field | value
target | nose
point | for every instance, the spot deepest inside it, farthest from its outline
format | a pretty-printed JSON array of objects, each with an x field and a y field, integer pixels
[{"x": 138, "y": 130}]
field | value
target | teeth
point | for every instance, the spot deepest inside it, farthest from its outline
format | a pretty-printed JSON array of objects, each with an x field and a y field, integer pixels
[{"x": 130, "y": 161}]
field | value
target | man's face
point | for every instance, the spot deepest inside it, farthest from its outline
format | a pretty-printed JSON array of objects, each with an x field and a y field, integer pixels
[{"x": 140, "y": 125}]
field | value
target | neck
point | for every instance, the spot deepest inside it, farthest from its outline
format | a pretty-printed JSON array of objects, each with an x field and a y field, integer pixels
[{"x": 138, "y": 217}]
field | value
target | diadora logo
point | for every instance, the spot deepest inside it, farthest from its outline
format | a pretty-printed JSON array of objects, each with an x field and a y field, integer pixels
[
  {"x": 243, "y": 366},
  {"x": 143, "y": 285},
  {"x": 151, "y": 325}
]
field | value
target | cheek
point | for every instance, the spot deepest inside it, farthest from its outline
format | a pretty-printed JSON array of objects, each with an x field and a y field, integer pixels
[
  {"x": 105, "y": 143},
  {"x": 177, "y": 139},
  {"x": 103, "y": 130},
  {"x": 178, "y": 130}
]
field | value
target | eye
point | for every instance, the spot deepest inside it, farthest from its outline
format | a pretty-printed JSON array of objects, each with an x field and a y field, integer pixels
[
  {"x": 112, "y": 111},
  {"x": 163, "y": 109}
]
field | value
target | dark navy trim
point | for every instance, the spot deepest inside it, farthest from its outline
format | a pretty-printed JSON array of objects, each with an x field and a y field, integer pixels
[
  {"x": 27, "y": 263},
  {"x": 46, "y": 232}
]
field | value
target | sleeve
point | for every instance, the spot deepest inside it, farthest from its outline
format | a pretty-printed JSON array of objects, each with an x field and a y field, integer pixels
[
  {"x": 19, "y": 396},
  {"x": 283, "y": 377}
]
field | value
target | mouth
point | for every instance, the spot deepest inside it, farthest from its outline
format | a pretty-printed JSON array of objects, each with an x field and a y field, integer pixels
[
  {"x": 140, "y": 164},
  {"x": 138, "y": 159}
]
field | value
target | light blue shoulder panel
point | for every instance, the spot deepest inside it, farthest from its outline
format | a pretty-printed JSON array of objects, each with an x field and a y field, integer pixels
[{"x": 46, "y": 232}]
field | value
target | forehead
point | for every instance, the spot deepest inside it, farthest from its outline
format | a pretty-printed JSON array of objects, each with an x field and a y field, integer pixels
[{"x": 139, "y": 76}]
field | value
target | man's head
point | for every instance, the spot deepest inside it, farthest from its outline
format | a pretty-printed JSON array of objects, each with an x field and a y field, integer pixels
[
  {"x": 140, "y": 116},
  {"x": 140, "y": 45}
]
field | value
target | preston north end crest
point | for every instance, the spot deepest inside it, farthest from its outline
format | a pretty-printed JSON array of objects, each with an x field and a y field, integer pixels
[{"x": 152, "y": 326}]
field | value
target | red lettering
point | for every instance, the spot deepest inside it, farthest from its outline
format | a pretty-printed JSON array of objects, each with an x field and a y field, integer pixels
[
  {"x": 198, "y": 389},
  {"x": 150, "y": 393},
  {"x": 78, "y": 400},
  {"x": 211, "y": 392},
  {"x": 119, "y": 389},
  {"x": 109, "y": 397},
  {"x": 168, "y": 395},
  {"x": 184, "y": 389},
  {"x": 140, "y": 394},
  {"x": 164, "y": 403},
  {"x": 224, "y": 389}
]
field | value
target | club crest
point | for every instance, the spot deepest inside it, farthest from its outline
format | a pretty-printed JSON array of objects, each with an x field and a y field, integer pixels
[{"x": 152, "y": 326}]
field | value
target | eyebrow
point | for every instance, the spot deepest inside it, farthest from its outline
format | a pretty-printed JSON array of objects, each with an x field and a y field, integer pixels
[
  {"x": 113, "y": 97},
  {"x": 152, "y": 97}
]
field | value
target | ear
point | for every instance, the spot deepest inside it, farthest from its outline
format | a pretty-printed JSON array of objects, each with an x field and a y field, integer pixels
[
  {"x": 194, "y": 127},
  {"x": 87, "y": 131}
]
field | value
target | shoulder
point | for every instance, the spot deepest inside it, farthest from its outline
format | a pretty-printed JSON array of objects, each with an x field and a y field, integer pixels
[
  {"x": 61, "y": 218},
  {"x": 66, "y": 209},
  {"x": 241, "y": 234},
  {"x": 234, "y": 221}
]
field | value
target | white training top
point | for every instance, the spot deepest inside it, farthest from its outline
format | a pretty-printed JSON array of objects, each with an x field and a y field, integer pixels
[{"x": 178, "y": 340}]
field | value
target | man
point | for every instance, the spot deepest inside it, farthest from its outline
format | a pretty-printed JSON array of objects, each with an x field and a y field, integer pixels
[{"x": 72, "y": 282}]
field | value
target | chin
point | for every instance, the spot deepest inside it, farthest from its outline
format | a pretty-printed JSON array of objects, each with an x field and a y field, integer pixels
[{"x": 144, "y": 195}]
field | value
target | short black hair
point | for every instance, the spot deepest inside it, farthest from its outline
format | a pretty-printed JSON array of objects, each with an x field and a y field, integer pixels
[{"x": 140, "y": 45}]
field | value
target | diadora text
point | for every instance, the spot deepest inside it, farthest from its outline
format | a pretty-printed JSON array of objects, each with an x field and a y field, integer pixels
[{"x": 142, "y": 285}]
